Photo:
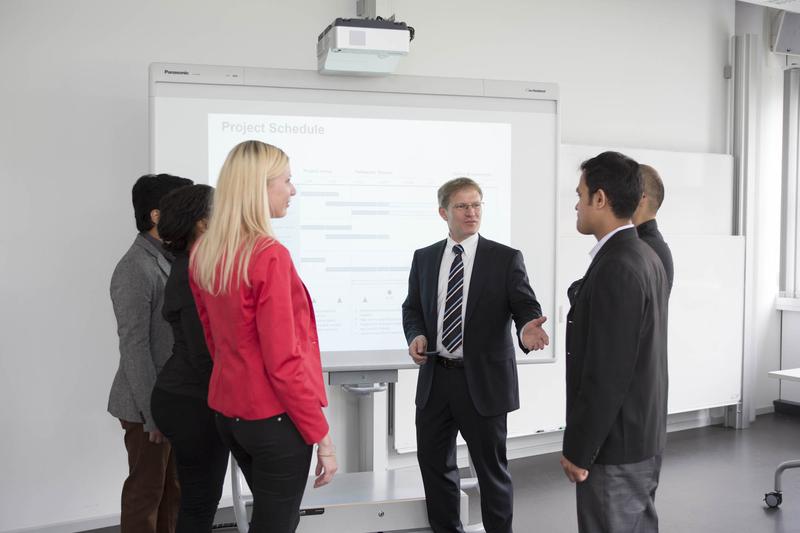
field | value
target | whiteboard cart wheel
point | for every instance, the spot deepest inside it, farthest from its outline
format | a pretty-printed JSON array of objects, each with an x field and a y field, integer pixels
[{"x": 773, "y": 499}]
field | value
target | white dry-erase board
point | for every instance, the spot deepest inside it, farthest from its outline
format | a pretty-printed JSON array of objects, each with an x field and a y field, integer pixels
[
  {"x": 706, "y": 308},
  {"x": 367, "y": 156}
]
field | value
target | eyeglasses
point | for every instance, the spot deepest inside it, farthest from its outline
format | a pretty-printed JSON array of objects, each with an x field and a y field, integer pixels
[{"x": 476, "y": 206}]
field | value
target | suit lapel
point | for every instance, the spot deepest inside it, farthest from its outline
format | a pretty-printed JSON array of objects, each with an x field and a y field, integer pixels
[
  {"x": 613, "y": 242},
  {"x": 477, "y": 280},
  {"x": 434, "y": 265},
  {"x": 162, "y": 262}
]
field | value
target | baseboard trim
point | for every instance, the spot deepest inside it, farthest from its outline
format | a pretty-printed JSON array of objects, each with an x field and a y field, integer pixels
[
  {"x": 225, "y": 515},
  {"x": 765, "y": 410},
  {"x": 71, "y": 526},
  {"x": 787, "y": 407}
]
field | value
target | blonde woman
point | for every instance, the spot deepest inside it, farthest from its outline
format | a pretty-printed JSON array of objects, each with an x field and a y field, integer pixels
[{"x": 266, "y": 386}]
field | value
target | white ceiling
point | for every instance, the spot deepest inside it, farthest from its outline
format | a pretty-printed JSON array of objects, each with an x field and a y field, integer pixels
[{"x": 786, "y": 5}]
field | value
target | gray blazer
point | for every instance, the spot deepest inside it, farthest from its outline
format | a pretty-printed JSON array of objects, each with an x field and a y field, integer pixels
[{"x": 145, "y": 338}]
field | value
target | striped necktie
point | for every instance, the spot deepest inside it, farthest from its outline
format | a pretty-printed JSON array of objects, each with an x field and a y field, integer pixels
[{"x": 452, "y": 331}]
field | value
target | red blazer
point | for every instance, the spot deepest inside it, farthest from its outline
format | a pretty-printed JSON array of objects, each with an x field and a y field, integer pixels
[{"x": 263, "y": 340}]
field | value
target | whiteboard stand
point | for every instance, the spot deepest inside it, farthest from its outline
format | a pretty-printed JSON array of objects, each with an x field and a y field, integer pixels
[
  {"x": 369, "y": 387},
  {"x": 373, "y": 499},
  {"x": 365, "y": 379},
  {"x": 359, "y": 502}
]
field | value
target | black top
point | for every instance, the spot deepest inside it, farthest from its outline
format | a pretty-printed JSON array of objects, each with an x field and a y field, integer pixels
[
  {"x": 188, "y": 371},
  {"x": 648, "y": 232}
]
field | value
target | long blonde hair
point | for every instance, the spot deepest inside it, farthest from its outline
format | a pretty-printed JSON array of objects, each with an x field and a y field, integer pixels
[{"x": 239, "y": 217}]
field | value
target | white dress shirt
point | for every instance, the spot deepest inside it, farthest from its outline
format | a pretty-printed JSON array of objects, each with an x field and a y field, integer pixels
[
  {"x": 470, "y": 245},
  {"x": 601, "y": 242}
]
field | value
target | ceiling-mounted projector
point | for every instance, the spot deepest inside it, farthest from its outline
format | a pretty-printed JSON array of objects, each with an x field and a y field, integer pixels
[{"x": 362, "y": 47}]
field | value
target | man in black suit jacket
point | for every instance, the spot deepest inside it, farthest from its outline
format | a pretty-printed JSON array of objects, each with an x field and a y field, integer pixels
[
  {"x": 644, "y": 218},
  {"x": 463, "y": 293},
  {"x": 616, "y": 358}
]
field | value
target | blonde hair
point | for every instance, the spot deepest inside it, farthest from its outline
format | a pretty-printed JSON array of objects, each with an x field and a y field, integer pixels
[{"x": 239, "y": 217}]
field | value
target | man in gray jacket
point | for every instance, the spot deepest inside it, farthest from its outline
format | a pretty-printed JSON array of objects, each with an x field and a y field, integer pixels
[{"x": 151, "y": 493}]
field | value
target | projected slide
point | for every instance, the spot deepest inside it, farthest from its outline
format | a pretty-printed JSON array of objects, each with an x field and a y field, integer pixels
[{"x": 366, "y": 199}]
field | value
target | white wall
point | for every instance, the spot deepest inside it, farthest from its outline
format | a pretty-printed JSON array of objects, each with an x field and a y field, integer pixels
[
  {"x": 73, "y": 137},
  {"x": 767, "y": 209},
  {"x": 620, "y": 64}
]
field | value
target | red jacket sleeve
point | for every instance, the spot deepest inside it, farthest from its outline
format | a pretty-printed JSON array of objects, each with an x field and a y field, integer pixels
[{"x": 275, "y": 284}]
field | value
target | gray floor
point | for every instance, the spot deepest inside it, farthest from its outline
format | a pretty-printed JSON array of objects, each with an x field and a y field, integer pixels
[{"x": 713, "y": 480}]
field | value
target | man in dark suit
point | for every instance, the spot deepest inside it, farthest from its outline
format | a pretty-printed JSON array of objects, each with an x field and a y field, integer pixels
[
  {"x": 616, "y": 358},
  {"x": 463, "y": 293},
  {"x": 644, "y": 218}
]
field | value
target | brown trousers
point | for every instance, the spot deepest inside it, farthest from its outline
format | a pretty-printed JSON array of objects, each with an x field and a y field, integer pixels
[{"x": 151, "y": 494}]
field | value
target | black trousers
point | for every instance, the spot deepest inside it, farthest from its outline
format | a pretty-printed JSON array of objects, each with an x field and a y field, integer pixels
[
  {"x": 275, "y": 461},
  {"x": 201, "y": 457},
  {"x": 449, "y": 410},
  {"x": 619, "y": 498}
]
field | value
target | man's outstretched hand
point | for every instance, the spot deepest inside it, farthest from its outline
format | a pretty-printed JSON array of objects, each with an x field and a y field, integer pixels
[{"x": 534, "y": 337}]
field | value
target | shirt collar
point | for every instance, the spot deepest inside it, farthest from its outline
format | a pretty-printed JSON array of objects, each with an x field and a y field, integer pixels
[
  {"x": 159, "y": 245},
  {"x": 607, "y": 236},
  {"x": 647, "y": 227},
  {"x": 470, "y": 245}
]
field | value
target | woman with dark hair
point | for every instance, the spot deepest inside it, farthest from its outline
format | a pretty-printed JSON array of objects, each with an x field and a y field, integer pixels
[{"x": 179, "y": 401}]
